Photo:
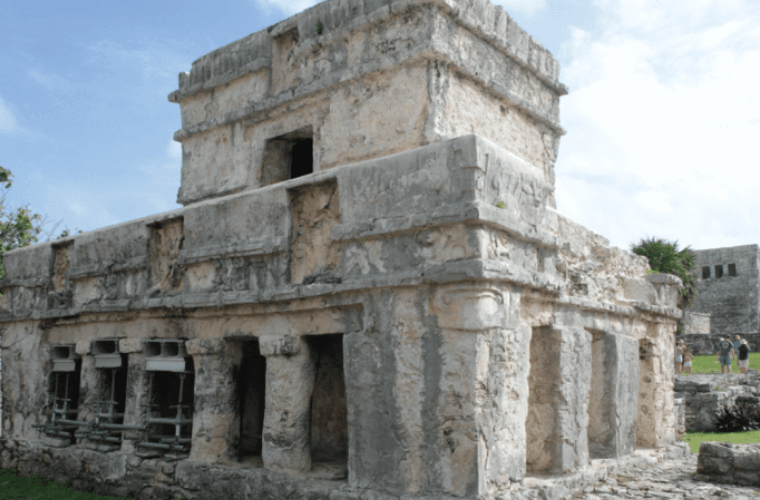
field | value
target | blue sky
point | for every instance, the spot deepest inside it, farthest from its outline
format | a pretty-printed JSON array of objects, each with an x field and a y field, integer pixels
[{"x": 663, "y": 115}]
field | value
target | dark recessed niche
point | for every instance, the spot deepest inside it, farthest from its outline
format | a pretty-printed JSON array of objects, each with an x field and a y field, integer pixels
[
  {"x": 732, "y": 269},
  {"x": 302, "y": 158},
  {"x": 705, "y": 272},
  {"x": 251, "y": 398},
  {"x": 287, "y": 157}
]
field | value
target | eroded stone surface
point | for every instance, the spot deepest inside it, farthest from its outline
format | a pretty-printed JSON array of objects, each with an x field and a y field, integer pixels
[{"x": 369, "y": 291}]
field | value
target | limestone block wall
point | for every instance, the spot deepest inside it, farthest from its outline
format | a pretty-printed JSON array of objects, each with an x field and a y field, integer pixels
[
  {"x": 443, "y": 271},
  {"x": 728, "y": 280},
  {"x": 377, "y": 80},
  {"x": 729, "y": 463},
  {"x": 704, "y": 396},
  {"x": 696, "y": 323}
]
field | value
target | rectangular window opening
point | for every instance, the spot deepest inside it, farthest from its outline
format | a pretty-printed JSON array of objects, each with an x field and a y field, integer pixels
[
  {"x": 63, "y": 397},
  {"x": 705, "y": 272},
  {"x": 719, "y": 271},
  {"x": 110, "y": 407},
  {"x": 329, "y": 414},
  {"x": 171, "y": 398},
  {"x": 288, "y": 156},
  {"x": 732, "y": 269},
  {"x": 251, "y": 395}
]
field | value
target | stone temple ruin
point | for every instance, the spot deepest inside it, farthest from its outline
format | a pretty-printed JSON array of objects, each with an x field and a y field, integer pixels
[
  {"x": 369, "y": 290},
  {"x": 729, "y": 288}
]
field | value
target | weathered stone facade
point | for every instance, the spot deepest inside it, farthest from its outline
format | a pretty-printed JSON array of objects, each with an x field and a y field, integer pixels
[
  {"x": 696, "y": 323},
  {"x": 368, "y": 292},
  {"x": 729, "y": 288}
]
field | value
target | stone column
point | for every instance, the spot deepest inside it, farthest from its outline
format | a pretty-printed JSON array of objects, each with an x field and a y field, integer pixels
[
  {"x": 137, "y": 391},
  {"x": 88, "y": 391},
  {"x": 216, "y": 416},
  {"x": 560, "y": 382},
  {"x": 614, "y": 403},
  {"x": 655, "y": 424},
  {"x": 479, "y": 432},
  {"x": 289, "y": 384}
]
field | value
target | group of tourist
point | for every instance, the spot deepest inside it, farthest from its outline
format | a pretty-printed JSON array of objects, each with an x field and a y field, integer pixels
[
  {"x": 725, "y": 352},
  {"x": 737, "y": 350}
]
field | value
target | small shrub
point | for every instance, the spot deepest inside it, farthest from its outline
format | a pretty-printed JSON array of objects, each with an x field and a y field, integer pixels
[{"x": 501, "y": 204}]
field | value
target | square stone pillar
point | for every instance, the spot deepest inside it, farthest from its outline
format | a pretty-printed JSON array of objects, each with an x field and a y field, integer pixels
[
  {"x": 216, "y": 415},
  {"x": 560, "y": 381},
  {"x": 614, "y": 396},
  {"x": 291, "y": 370},
  {"x": 137, "y": 391},
  {"x": 655, "y": 424},
  {"x": 479, "y": 431},
  {"x": 88, "y": 391}
]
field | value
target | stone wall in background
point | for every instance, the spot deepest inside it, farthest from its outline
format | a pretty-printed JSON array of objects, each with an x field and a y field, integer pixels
[
  {"x": 729, "y": 463},
  {"x": 704, "y": 396},
  {"x": 696, "y": 323},
  {"x": 727, "y": 280}
]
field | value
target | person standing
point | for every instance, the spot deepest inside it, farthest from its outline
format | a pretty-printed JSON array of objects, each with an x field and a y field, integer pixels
[
  {"x": 688, "y": 357},
  {"x": 743, "y": 356},
  {"x": 724, "y": 353},
  {"x": 679, "y": 357}
]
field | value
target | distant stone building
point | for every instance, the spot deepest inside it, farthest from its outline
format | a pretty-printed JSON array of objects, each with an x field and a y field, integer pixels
[
  {"x": 368, "y": 292},
  {"x": 729, "y": 281}
]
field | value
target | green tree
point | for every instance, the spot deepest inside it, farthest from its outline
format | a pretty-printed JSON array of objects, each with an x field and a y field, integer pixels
[
  {"x": 664, "y": 257},
  {"x": 20, "y": 226}
]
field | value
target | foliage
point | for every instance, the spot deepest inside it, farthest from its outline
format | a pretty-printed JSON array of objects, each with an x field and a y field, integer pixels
[
  {"x": 739, "y": 417},
  {"x": 664, "y": 257},
  {"x": 501, "y": 204},
  {"x": 20, "y": 226},
  {"x": 319, "y": 27}
]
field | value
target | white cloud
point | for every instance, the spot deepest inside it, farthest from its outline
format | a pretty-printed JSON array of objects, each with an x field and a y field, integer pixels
[
  {"x": 527, "y": 7},
  {"x": 7, "y": 120},
  {"x": 288, "y": 7},
  {"x": 716, "y": 35},
  {"x": 662, "y": 95}
]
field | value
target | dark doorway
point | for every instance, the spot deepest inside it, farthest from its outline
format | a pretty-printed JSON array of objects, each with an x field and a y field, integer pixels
[
  {"x": 329, "y": 415},
  {"x": 251, "y": 394}
]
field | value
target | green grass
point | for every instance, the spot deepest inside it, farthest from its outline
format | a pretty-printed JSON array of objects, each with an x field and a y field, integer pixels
[
  {"x": 694, "y": 438},
  {"x": 13, "y": 487},
  {"x": 707, "y": 364}
]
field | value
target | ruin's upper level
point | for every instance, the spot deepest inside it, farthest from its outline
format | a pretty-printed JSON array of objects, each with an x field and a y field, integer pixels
[{"x": 351, "y": 80}]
